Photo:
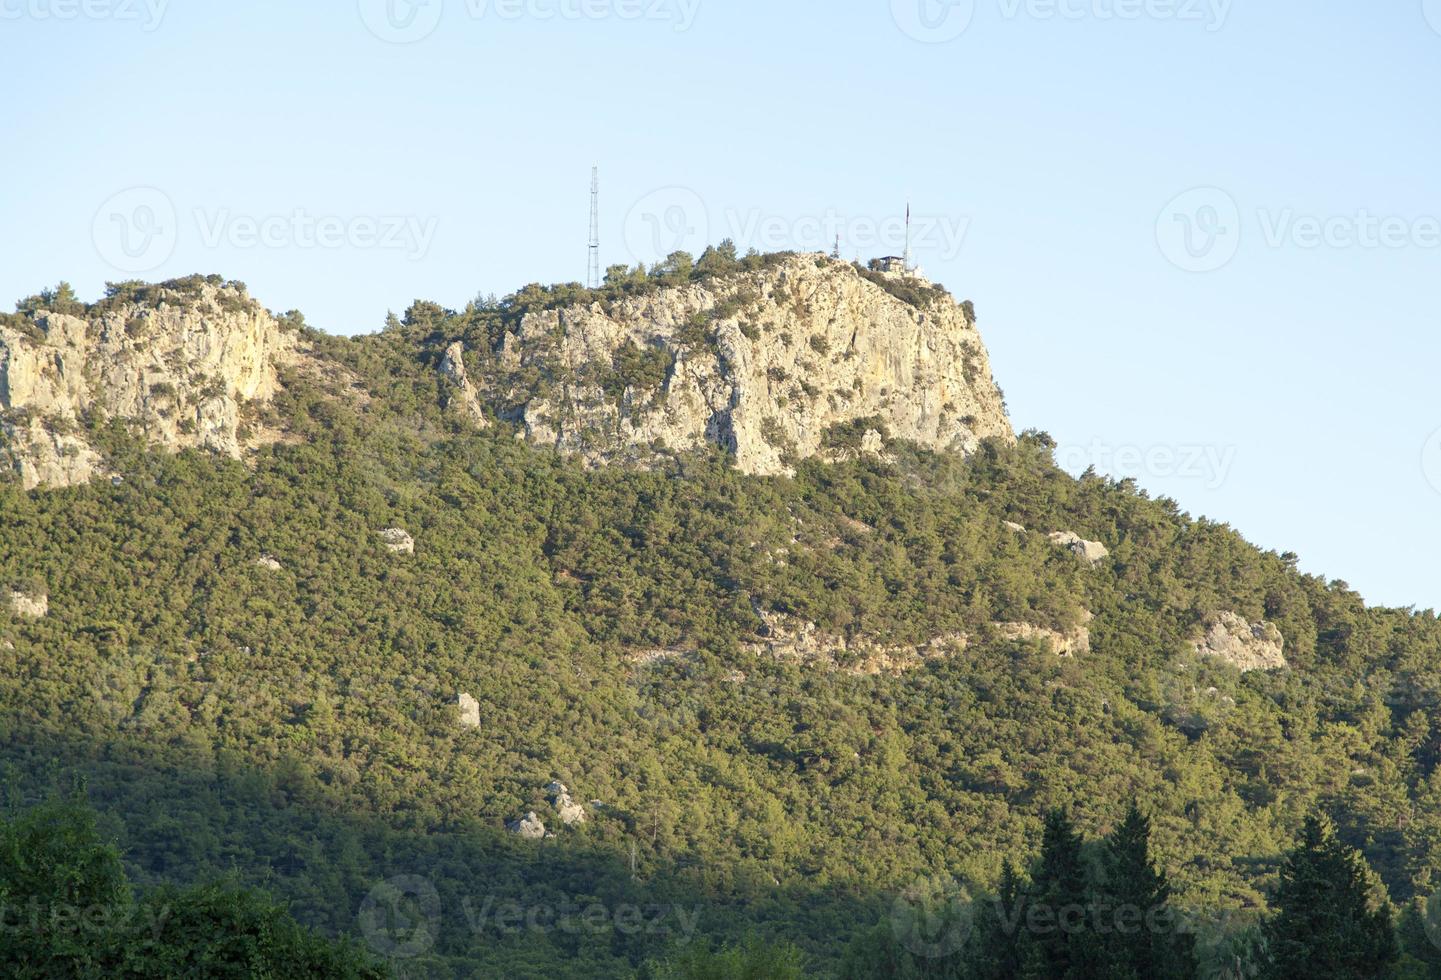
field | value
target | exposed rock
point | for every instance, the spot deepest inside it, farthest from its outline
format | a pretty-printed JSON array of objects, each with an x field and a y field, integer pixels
[
  {"x": 528, "y": 826},
  {"x": 1248, "y": 646},
  {"x": 178, "y": 366},
  {"x": 29, "y": 606},
  {"x": 1091, "y": 552},
  {"x": 1018, "y": 528},
  {"x": 804, "y": 358},
  {"x": 398, "y": 541},
  {"x": 788, "y": 639},
  {"x": 1068, "y": 644},
  {"x": 464, "y": 399},
  {"x": 469, "y": 710},
  {"x": 268, "y": 562},
  {"x": 659, "y": 655},
  {"x": 46, "y": 455},
  {"x": 570, "y": 812}
]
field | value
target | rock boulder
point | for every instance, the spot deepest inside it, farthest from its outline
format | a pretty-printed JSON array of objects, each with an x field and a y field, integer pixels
[
  {"x": 1091, "y": 552},
  {"x": 1245, "y": 645}
]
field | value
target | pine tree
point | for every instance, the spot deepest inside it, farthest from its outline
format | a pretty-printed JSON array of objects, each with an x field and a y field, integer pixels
[
  {"x": 1323, "y": 925},
  {"x": 1144, "y": 939},
  {"x": 995, "y": 950},
  {"x": 1057, "y": 947}
]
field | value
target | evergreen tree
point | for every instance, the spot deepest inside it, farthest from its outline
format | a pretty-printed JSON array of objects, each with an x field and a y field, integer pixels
[
  {"x": 995, "y": 950},
  {"x": 1324, "y": 925},
  {"x": 69, "y": 911},
  {"x": 1057, "y": 945},
  {"x": 1143, "y": 938}
]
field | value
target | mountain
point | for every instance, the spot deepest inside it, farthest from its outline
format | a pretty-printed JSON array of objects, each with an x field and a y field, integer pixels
[
  {"x": 801, "y": 357},
  {"x": 612, "y": 603},
  {"x": 175, "y": 362}
]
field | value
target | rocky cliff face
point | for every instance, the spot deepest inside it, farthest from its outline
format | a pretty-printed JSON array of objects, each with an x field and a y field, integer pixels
[
  {"x": 177, "y": 363},
  {"x": 804, "y": 356},
  {"x": 1247, "y": 646},
  {"x": 810, "y": 357}
]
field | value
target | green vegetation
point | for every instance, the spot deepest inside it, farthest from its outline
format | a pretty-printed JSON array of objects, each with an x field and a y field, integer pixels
[
  {"x": 67, "y": 910},
  {"x": 296, "y": 728},
  {"x": 643, "y": 369},
  {"x": 1327, "y": 923},
  {"x": 912, "y": 291}
]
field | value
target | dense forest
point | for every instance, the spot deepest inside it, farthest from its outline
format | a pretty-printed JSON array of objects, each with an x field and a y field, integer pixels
[{"x": 250, "y": 687}]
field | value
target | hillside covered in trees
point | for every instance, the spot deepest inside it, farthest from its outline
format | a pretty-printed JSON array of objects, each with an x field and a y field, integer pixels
[{"x": 780, "y": 701}]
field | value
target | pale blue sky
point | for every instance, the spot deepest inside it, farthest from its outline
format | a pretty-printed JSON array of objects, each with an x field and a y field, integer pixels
[{"x": 1263, "y": 351}]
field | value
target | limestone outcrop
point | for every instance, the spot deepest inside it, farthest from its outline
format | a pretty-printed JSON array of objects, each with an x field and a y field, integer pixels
[
  {"x": 1091, "y": 552},
  {"x": 469, "y": 710},
  {"x": 178, "y": 362},
  {"x": 1070, "y": 643},
  {"x": 28, "y": 605},
  {"x": 530, "y": 826},
  {"x": 807, "y": 357},
  {"x": 569, "y": 811},
  {"x": 397, "y": 541},
  {"x": 463, "y": 397},
  {"x": 785, "y": 638},
  {"x": 1245, "y": 645},
  {"x": 798, "y": 356}
]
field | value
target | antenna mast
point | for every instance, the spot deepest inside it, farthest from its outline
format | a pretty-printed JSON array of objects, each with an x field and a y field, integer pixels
[
  {"x": 592, "y": 278},
  {"x": 906, "y": 256}
]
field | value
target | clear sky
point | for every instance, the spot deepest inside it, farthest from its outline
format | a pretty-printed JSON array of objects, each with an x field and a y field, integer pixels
[{"x": 1201, "y": 235}]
